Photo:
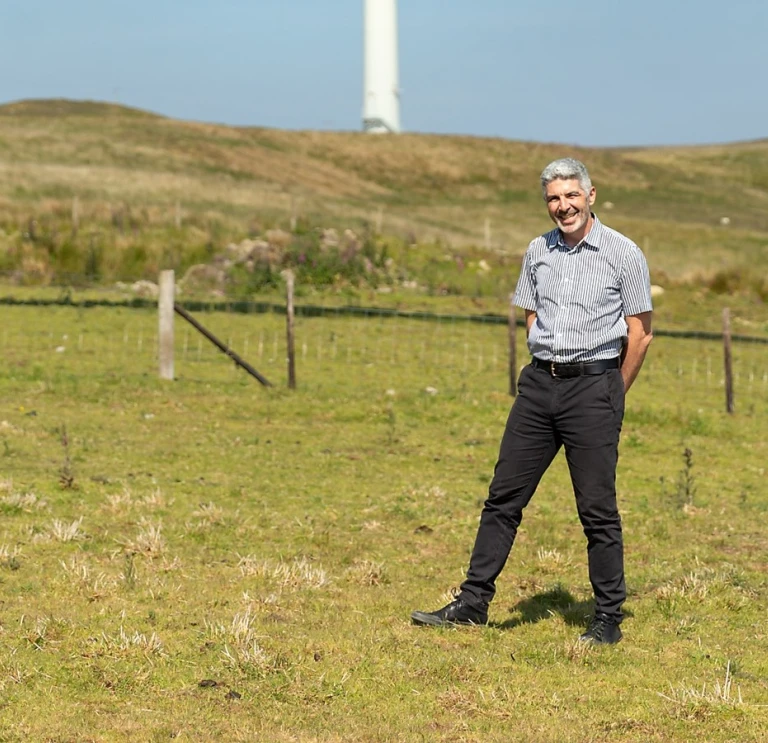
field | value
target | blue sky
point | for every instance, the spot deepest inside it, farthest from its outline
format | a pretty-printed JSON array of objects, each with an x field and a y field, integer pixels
[{"x": 597, "y": 72}]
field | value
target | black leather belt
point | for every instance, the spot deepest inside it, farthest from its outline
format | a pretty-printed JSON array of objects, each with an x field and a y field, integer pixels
[{"x": 577, "y": 369}]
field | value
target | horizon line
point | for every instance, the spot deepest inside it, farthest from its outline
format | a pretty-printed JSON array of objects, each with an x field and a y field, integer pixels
[{"x": 404, "y": 132}]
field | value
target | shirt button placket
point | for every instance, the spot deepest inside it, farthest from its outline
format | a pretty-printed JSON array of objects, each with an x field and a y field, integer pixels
[
  {"x": 566, "y": 288},
  {"x": 558, "y": 309}
]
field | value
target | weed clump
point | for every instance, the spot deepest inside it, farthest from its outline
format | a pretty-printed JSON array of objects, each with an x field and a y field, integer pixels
[{"x": 686, "y": 481}]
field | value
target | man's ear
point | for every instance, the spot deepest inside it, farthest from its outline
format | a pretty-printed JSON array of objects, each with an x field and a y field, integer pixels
[{"x": 592, "y": 195}]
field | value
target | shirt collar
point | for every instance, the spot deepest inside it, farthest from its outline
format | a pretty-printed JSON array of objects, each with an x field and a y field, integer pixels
[{"x": 594, "y": 238}]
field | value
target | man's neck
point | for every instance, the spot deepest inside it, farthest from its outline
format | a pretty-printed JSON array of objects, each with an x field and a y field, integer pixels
[{"x": 575, "y": 238}]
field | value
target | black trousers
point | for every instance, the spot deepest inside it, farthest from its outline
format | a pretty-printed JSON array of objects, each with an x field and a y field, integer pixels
[{"x": 583, "y": 414}]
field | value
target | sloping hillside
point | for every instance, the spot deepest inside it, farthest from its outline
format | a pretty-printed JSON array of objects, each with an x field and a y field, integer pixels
[{"x": 461, "y": 190}]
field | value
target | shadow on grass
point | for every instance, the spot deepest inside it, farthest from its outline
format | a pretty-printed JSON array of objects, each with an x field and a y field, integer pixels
[{"x": 556, "y": 601}]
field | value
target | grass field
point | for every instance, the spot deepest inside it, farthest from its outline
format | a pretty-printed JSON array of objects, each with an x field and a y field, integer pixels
[{"x": 208, "y": 559}]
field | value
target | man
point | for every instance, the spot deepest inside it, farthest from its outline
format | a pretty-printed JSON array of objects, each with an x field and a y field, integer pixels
[{"x": 586, "y": 294}]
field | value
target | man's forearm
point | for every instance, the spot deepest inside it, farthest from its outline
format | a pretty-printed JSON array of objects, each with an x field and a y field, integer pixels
[
  {"x": 638, "y": 340},
  {"x": 633, "y": 361},
  {"x": 530, "y": 318}
]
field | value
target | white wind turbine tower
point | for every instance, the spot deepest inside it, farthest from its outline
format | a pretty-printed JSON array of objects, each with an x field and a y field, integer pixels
[{"x": 381, "y": 101}]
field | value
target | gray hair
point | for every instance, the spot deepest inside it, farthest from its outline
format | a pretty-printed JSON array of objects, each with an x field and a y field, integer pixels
[{"x": 566, "y": 168}]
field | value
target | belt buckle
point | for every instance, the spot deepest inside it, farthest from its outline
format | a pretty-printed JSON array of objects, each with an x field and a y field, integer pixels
[{"x": 552, "y": 368}]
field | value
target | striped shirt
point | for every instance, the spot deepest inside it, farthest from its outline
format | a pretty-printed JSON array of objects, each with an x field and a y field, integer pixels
[{"x": 581, "y": 295}]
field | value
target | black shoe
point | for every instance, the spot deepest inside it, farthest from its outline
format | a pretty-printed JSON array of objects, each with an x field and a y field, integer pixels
[
  {"x": 603, "y": 630},
  {"x": 457, "y": 612}
]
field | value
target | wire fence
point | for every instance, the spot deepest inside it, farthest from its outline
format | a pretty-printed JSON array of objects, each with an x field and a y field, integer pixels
[
  {"x": 248, "y": 307},
  {"x": 338, "y": 349}
]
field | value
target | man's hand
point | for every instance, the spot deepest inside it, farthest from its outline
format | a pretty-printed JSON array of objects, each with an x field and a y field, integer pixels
[{"x": 639, "y": 338}]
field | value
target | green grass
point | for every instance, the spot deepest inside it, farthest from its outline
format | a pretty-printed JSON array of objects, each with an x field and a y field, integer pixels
[
  {"x": 159, "y": 535},
  {"x": 275, "y": 543},
  {"x": 681, "y": 308}
]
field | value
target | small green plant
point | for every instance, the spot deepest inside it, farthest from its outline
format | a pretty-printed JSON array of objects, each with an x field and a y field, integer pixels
[
  {"x": 129, "y": 571},
  {"x": 686, "y": 481}
]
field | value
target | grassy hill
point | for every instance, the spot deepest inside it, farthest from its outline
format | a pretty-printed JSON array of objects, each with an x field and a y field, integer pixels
[{"x": 162, "y": 181}]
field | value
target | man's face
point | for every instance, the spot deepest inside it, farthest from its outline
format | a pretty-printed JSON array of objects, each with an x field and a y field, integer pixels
[{"x": 570, "y": 207}]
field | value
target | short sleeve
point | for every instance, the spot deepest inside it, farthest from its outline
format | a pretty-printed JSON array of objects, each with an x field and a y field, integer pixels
[
  {"x": 525, "y": 292},
  {"x": 635, "y": 283}
]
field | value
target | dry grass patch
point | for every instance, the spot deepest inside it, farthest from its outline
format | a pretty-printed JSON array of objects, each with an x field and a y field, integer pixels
[
  {"x": 367, "y": 573},
  {"x": 126, "y": 500},
  {"x": 66, "y": 531},
  {"x": 431, "y": 492},
  {"x": 496, "y": 704},
  {"x": 149, "y": 540},
  {"x": 552, "y": 560},
  {"x": 36, "y": 633},
  {"x": 691, "y": 702},
  {"x": 241, "y": 642},
  {"x": 23, "y": 502},
  {"x": 299, "y": 573},
  {"x": 93, "y": 585},
  {"x": 12, "y": 672},
  {"x": 119, "y": 502},
  {"x": 208, "y": 515},
  {"x": 9, "y": 556},
  {"x": 123, "y": 642},
  {"x": 577, "y": 651},
  {"x": 699, "y": 584},
  {"x": 155, "y": 500},
  {"x": 14, "y": 500}
]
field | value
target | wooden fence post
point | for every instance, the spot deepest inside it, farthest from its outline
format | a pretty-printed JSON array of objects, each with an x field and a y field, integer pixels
[
  {"x": 165, "y": 335},
  {"x": 288, "y": 275},
  {"x": 728, "y": 360},
  {"x": 512, "y": 332}
]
